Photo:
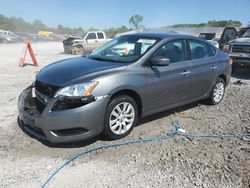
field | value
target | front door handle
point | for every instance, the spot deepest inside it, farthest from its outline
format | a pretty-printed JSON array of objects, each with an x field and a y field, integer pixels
[
  {"x": 213, "y": 68},
  {"x": 186, "y": 73}
]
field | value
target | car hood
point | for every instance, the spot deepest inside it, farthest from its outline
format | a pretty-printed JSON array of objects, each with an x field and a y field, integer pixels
[
  {"x": 70, "y": 39},
  {"x": 241, "y": 40},
  {"x": 76, "y": 70}
]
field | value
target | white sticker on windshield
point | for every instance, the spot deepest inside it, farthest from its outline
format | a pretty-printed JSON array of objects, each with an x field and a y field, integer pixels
[{"x": 148, "y": 41}]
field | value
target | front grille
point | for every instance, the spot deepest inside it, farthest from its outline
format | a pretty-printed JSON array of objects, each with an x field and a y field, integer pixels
[
  {"x": 68, "y": 42},
  {"x": 46, "y": 89},
  {"x": 39, "y": 105},
  {"x": 43, "y": 92},
  {"x": 241, "y": 48}
]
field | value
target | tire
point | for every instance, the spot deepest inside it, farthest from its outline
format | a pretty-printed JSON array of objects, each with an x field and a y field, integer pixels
[
  {"x": 119, "y": 124},
  {"x": 78, "y": 50},
  {"x": 217, "y": 92}
]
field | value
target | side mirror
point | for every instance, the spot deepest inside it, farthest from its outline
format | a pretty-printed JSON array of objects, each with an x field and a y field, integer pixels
[
  {"x": 160, "y": 61},
  {"x": 86, "y": 40}
]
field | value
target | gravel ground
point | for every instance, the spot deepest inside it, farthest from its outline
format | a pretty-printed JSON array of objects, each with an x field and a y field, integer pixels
[{"x": 177, "y": 162}]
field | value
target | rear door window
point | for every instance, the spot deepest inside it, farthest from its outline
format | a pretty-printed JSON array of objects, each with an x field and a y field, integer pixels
[
  {"x": 174, "y": 50},
  {"x": 100, "y": 35},
  {"x": 198, "y": 49}
]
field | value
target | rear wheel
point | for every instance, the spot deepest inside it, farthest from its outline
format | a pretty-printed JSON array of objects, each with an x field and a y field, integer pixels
[
  {"x": 218, "y": 92},
  {"x": 120, "y": 118}
]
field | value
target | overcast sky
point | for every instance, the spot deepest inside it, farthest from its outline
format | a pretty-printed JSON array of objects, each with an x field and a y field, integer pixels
[{"x": 112, "y": 13}]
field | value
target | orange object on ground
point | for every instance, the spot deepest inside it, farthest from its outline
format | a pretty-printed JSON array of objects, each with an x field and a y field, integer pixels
[{"x": 32, "y": 54}]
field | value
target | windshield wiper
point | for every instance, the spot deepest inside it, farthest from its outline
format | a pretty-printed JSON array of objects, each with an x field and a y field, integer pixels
[
  {"x": 96, "y": 58},
  {"x": 101, "y": 59},
  {"x": 105, "y": 60}
]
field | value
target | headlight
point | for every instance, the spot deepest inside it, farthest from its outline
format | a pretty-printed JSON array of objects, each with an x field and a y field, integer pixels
[
  {"x": 78, "y": 90},
  {"x": 226, "y": 48}
]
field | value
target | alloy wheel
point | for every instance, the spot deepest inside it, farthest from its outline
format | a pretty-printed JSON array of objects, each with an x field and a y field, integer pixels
[
  {"x": 218, "y": 93},
  {"x": 122, "y": 118}
]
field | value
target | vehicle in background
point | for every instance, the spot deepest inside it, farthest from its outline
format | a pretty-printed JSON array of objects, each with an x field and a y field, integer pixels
[
  {"x": 107, "y": 92},
  {"x": 207, "y": 36},
  {"x": 45, "y": 33},
  {"x": 215, "y": 42},
  {"x": 1, "y": 39},
  {"x": 85, "y": 43},
  {"x": 30, "y": 37},
  {"x": 237, "y": 43},
  {"x": 123, "y": 49},
  {"x": 6, "y": 32},
  {"x": 10, "y": 37}
]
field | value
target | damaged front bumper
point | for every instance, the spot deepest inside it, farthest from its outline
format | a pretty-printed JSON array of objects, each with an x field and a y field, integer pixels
[{"x": 60, "y": 126}]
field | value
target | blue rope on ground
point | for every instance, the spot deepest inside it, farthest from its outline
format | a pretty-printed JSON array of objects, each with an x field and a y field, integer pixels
[{"x": 173, "y": 133}]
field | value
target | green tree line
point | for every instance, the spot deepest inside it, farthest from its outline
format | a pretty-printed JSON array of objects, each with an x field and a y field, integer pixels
[{"x": 19, "y": 25}]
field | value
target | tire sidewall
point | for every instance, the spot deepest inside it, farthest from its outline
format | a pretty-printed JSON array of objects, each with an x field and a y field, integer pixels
[{"x": 112, "y": 104}]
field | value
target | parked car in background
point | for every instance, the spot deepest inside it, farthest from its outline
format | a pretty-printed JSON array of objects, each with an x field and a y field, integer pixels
[
  {"x": 123, "y": 49},
  {"x": 237, "y": 43},
  {"x": 10, "y": 37},
  {"x": 1, "y": 39},
  {"x": 207, "y": 36},
  {"x": 106, "y": 92},
  {"x": 215, "y": 42},
  {"x": 84, "y": 43},
  {"x": 28, "y": 36}
]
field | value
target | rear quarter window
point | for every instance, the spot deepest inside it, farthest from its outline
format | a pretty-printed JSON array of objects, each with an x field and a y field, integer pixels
[
  {"x": 198, "y": 49},
  {"x": 211, "y": 50},
  {"x": 100, "y": 35}
]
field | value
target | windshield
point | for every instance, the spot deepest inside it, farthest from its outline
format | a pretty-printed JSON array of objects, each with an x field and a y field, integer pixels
[
  {"x": 246, "y": 34},
  {"x": 82, "y": 35},
  {"x": 124, "y": 49}
]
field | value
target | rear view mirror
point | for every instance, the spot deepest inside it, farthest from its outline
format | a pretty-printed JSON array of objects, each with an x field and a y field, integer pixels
[{"x": 160, "y": 61}]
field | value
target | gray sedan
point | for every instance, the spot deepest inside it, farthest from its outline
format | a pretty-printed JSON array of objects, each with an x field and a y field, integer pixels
[{"x": 106, "y": 92}]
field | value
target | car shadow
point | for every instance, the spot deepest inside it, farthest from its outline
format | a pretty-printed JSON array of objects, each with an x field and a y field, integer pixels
[
  {"x": 242, "y": 73},
  {"x": 167, "y": 113}
]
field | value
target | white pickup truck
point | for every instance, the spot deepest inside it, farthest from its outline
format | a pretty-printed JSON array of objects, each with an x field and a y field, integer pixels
[{"x": 85, "y": 43}]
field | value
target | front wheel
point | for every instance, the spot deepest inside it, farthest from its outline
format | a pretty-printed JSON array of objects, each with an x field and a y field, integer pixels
[
  {"x": 218, "y": 92},
  {"x": 78, "y": 50},
  {"x": 120, "y": 117}
]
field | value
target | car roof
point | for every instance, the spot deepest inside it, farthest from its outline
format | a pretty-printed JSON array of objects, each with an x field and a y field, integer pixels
[{"x": 160, "y": 35}]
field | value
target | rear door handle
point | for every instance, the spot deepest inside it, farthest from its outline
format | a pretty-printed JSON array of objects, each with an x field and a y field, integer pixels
[
  {"x": 213, "y": 68},
  {"x": 186, "y": 73}
]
